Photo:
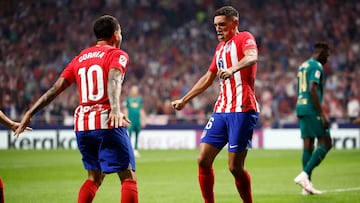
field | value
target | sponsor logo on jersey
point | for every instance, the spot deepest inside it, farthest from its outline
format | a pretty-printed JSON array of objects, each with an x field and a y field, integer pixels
[
  {"x": 250, "y": 42},
  {"x": 221, "y": 63}
]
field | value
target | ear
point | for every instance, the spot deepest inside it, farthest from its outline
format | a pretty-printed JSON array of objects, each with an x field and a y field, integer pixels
[
  {"x": 236, "y": 22},
  {"x": 116, "y": 35},
  {"x": 114, "y": 38}
]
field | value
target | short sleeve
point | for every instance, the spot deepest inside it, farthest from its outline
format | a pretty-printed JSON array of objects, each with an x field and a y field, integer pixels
[
  {"x": 315, "y": 73},
  {"x": 212, "y": 66},
  {"x": 119, "y": 59},
  {"x": 248, "y": 41},
  {"x": 68, "y": 72}
]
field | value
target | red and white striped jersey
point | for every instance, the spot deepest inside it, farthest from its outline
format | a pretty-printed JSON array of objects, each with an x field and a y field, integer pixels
[
  {"x": 237, "y": 93},
  {"x": 90, "y": 71}
]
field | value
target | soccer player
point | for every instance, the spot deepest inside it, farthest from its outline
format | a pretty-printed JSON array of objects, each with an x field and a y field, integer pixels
[
  {"x": 312, "y": 120},
  {"x": 134, "y": 110},
  {"x": 13, "y": 126},
  {"x": 236, "y": 110},
  {"x": 99, "y": 123}
]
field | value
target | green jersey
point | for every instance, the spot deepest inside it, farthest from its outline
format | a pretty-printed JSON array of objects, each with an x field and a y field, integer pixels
[
  {"x": 310, "y": 71},
  {"x": 134, "y": 106}
]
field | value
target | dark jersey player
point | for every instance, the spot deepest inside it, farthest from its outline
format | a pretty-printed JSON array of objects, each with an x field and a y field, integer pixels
[
  {"x": 134, "y": 104},
  {"x": 312, "y": 119}
]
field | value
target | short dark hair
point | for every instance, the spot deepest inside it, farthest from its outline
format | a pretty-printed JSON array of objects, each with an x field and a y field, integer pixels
[
  {"x": 321, "y": 45},
  {"x": 105, "y": 26},
  {"x": 227, "y": 11}
]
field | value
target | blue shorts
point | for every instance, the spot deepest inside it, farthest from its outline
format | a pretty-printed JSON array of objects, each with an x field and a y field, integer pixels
[
  {"x": 108, "y": 150},
  {"x": 236, "y": 129}
]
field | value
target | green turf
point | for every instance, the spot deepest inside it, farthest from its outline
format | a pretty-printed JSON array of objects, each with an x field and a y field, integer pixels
[{"x": 171, "y": 177}]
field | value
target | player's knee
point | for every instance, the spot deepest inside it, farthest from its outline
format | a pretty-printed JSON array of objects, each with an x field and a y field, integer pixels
[
  {"x": 329, "y": 146},
  {"x": 236, "y": 170},
  {"x": 96, "y": 176},
  {"x": 127, "y": 175},
  {"x": 327, "y": 143},
  {"x": 203, "y": 161},
  {"x": 99, "y": 179}
]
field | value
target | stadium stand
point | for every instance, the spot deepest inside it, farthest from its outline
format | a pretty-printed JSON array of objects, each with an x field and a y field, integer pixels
[{"x": 170, "y": 44}]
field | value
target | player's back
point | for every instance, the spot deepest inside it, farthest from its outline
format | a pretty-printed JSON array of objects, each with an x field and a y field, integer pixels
[
  {"x": 90, "y": 70},
  {"x": 310, "y": 71}
]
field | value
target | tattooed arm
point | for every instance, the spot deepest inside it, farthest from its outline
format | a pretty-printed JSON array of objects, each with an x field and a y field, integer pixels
[
  {"x": 116, "y": 117},
  {"x": 60, "y": 85}
]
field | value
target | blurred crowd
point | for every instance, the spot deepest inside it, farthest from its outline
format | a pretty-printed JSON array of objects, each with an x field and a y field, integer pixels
[{"x": 171, "y": 44}]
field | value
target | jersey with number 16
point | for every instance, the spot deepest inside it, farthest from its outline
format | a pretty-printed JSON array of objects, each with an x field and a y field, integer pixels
[{"x": 90, "y": 71}]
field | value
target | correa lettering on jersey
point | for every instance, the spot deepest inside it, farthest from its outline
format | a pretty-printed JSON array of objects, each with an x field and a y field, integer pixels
[{"x": 95, "y": 54}]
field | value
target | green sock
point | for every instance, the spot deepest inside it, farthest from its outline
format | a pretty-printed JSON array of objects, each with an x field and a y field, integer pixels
[
  {"x": 316, "y": 158},
  {"x": 306, "y": 156}
]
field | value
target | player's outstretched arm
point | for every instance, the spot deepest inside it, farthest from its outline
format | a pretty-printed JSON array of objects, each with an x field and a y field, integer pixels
[
  {"x": 200, "y": 86},
  {"x": 60, "y": 85},
  {"x": 316, "y": 101},
  {"x": 10, "y": 123}
]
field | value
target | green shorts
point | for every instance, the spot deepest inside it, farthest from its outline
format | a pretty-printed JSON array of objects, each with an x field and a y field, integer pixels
[
  {"x": 134, "y": 127},
  {"x": 311, "y": 127}
]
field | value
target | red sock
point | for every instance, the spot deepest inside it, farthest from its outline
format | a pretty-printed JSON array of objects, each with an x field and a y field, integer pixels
[
  {"x": 243, "y": 185},
  {"x": 129, "y": 191},
  {"x": 2, "y": 197},
  {"x": 87, "y": 191},
  {"x": 206, "y": 181}
]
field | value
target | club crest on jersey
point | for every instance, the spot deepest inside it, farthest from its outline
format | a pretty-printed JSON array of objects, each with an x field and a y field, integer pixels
[
  {"x": 220, "y": 63},
  {"x": 123, "y": 60}
]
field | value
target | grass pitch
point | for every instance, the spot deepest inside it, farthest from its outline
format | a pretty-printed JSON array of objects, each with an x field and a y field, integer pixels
[{"x": 170, "y": 176}]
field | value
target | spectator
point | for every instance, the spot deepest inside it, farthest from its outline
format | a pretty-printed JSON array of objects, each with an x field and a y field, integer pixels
[{"x": 158, "y": 45}]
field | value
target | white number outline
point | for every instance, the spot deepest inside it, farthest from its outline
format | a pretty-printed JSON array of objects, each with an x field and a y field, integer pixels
[
  {"x": 209, "y": 124},
  {"x": 87, "y": 82}
]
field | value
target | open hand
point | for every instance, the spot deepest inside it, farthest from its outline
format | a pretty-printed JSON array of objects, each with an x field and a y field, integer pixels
[
  {"x": 19, "y": 128},
  {"x": 117, "y": 119}
]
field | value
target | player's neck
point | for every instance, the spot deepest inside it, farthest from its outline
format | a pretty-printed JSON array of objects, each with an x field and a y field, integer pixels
[{"x": 103, "y": 42}]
